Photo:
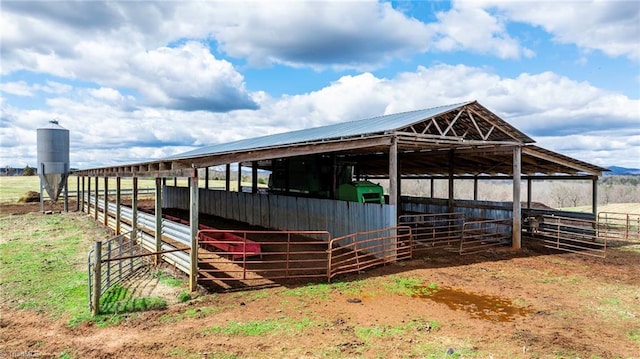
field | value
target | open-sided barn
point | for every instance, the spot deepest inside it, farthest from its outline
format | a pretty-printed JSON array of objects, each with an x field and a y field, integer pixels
[{"x": 313, "y": 169}]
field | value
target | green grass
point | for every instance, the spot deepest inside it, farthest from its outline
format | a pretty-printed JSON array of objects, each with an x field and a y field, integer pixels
[
  {"x": 118, "y": 299},
  {"x": 409, "y": 286},
  {"x": 315, "y": 291},
  {"x": 44, "y": 268},
  {"x": 262, "y": 327},
  {"x": 169, "y": 280},
  {"x": 634, "y": 335},
  {"x": 44, "y": 262}
]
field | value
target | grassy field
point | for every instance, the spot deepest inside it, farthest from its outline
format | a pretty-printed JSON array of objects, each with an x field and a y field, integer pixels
[
  {"x": 13, "y": 187},
  {"x": 612, "y": 207},
  {"x": 44, "y": 268}
]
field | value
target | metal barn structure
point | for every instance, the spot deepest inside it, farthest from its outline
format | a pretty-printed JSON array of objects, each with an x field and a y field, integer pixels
[{"x": 459, "y": 141}]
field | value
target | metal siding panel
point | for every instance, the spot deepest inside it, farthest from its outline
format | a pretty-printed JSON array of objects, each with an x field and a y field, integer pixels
[{"x": 264, "y": 211}]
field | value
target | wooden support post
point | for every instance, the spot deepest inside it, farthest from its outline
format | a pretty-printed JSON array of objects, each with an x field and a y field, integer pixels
[
  {"x": 158, "y": 210},
  {"x": 399, "y": 186},
  {"x": 95, "y": 201},
  {"x": 594, "y": 196},
  {"x": 254, "y": 177},
  {"x": 105, "y": 210},
  {"x": 227, "y": 177},
  {"x": 175, "y": 181},
  {"x": 333, "y": 190},
  {"x": 517, "y": 210},
  {"x": 529, "y": 192},
  {"x": 77, "y": 193},
  {"x": 66, "y": 195},
  {"x": 394, "y": 195},
  {"x": 41, "y": 170},
  {"x": 393, "y": 174},
  {"x": 97, "y": 278},
  {"x": 431, "y": 187},
  {"x": 118, "y": 204},
  {"x": 475, "y": 188},
  {"x": 206, "y": 177},
  {"x": 451, "y": 202},
  {"x": 193, "y": 226},
  {"x": 81, "y": 199},
  {"x": 134, "y": 207},
  {"x": 89, "y": 195},
  {"x": 239, "y": 177}
]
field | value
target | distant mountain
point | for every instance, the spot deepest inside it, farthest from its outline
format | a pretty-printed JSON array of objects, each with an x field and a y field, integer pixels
[{"x": 615, "y": 170}]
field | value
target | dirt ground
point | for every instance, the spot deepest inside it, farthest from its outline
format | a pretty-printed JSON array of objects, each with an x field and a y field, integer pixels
[{"x": 534, "y": 303}]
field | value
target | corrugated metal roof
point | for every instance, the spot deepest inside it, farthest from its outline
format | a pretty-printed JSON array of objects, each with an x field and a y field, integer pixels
[{"x": 369, "y": 126}]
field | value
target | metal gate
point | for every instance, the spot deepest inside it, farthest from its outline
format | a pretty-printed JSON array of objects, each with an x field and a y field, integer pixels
[
  {"x": 112, "y": 261},
  {"x": 356, "y": 252},
  {"x": 567, "y": 234},
  {"x": 434, "y": 230},
  {"x": 619, "y": 226}
]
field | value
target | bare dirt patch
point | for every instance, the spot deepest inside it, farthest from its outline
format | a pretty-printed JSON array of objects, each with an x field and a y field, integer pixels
[{"x": 564, "y": 306}]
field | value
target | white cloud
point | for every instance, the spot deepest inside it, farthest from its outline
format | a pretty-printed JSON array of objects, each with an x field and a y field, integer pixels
[
  {"x": 189, "y": 78},
  {"x": 612, "y": 27},
  {"x": 358, "y": 34},
  {"x": 474, "y": 29},
  {"x": 18, "y": 88},
  {"x": 606, "y": 123}
]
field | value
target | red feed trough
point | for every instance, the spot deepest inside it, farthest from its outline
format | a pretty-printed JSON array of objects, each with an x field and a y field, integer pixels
[{"x": 237, "y": 246}]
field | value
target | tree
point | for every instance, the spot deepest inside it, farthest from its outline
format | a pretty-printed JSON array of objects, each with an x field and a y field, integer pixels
[{"x": 29, "y": 171}]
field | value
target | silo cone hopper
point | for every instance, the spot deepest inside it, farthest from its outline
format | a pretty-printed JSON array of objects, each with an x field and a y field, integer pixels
[
  {"x": 53, "y": 183},
  {"x": 53, "y": 160}
]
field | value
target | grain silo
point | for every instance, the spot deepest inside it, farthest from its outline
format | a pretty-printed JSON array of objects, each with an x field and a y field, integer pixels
[{"x": 53, "y": 160}]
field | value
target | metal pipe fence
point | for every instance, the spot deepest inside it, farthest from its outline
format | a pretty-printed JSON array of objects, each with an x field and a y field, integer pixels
[
  {"x": 367, "y": 249},
  {"x": 619, "y": 226},
  {"x": 479, "y": 235},
  {"x": 110, "y": 262},
  {"x": 434, "y": 230},
  {"x": 570, "y": 235},
  {"x": 281, "y": 255}
]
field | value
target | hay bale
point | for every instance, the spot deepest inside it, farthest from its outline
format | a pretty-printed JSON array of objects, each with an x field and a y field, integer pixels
[{"x": 30, "y": 196}]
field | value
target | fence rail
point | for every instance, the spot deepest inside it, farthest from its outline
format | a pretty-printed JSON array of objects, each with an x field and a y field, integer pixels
[
  {"x": 619, "y": 226},
  {"x": 480, "y": 235},
  {"x": 283, "y": 255},
  {"x": 570, "y": 234},
  {"x": 367, "y": 249},
  {"x": 434, "y": 230}
]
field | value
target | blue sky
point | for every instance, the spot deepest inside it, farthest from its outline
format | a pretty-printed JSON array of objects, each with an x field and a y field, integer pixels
[{"x": 136, "y": 81}]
